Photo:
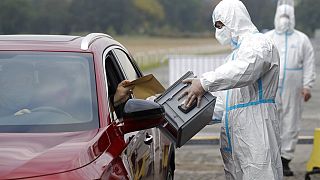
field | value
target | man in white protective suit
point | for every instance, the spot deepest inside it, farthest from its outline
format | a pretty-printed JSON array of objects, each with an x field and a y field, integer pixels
[
  {"x": 250, "y": 136},
  {"x": 297, "y": 76}
]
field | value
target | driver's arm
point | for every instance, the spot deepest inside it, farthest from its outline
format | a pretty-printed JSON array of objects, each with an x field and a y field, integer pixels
[{"x": 121, "y": 95}]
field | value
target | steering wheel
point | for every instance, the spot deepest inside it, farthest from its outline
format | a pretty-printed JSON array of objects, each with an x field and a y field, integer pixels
[{"x": 51, "y": 109}]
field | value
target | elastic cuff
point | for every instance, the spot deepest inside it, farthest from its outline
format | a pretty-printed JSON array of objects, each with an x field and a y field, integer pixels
[{"x": 203, "y": 84}]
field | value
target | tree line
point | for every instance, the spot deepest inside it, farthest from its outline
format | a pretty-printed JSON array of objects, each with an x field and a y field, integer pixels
[{"x": 147, "y": 17}]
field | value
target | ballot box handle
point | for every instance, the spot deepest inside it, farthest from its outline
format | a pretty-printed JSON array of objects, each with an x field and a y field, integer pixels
[{"x": 182, "y": 88}]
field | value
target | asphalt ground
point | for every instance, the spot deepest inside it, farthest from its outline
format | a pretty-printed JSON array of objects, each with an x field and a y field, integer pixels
[
  {"x": 200, "y": 158},
  {"x": 203, "y": 162}
]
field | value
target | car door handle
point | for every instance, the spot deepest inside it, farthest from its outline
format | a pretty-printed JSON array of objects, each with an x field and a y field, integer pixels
[{"x": 148, "y": 139}]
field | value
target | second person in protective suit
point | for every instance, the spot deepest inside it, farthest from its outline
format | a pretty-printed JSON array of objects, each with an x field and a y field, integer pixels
[
  {"x": 297, "y": 76},
  {"x": 250, "y": 137}
]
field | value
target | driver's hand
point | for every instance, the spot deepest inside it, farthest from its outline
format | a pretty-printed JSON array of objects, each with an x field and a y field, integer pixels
[
  {"x": 194, "y": 92},
  {"x": 122, "y": 92}
]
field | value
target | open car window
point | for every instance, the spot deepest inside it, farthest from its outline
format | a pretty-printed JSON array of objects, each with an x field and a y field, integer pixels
[
  {"x": 114, "y": 77},
  {"x": 47, "y": 92},
  {"x": 118, "y": 68}
]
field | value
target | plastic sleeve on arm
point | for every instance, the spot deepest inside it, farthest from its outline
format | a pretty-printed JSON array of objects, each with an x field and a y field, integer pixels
[
  {"x": 204, "y": 82},
  {"x": 245, "y": 70},
  {"x": 309, "y": 74}
]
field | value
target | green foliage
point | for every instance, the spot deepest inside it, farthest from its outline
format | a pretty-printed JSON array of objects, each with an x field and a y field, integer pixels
[
  {"x": 49, "y": 16},
  {"x": 114, "y": 16},
  {"x": 150, "y": 7},
  {"x": 14, "y": 16},
  {"x": 261, "y": 12},
  {"x": 145, "y": 17},
  {"x": 307, "y": 16},
  {"x": 184, "y": 15}
]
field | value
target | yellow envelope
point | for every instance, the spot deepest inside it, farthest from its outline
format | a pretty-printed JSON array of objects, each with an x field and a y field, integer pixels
[{"x": 146, "y": 86}]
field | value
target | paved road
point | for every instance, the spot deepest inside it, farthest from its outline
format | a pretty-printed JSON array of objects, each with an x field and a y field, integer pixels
[
  {"x": 194, "y": 162},
  {"x": 203, "y": 162}
]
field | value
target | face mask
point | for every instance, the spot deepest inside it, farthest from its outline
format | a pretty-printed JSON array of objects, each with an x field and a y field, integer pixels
[
  {"x": 223, "y": 35},
  {"x": 284, "y": 24}
]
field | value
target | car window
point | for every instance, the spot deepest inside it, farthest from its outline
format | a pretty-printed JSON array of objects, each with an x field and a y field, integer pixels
[
  {"x": 114, "y": 75},
  {"x": 118, "y": 68},
  {"x": 126, "y": 64},
  {"x": 47, "y": 92}
]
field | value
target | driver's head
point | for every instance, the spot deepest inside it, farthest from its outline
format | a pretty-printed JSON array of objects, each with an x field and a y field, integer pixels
[{"x": 16, "y": 85}]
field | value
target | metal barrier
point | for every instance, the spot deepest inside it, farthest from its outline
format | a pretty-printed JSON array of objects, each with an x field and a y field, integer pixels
[{"x": 180, "y": 64}]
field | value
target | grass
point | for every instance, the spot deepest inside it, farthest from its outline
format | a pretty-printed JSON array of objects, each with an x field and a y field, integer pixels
[
  {"x": 138, "y": 44},
  {"x": 151, "y": 48},
  {"x": 153, "y": 65}
]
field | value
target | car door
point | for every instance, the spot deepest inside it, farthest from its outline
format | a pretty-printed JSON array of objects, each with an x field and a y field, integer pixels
[{"x": 138, "y": 156}]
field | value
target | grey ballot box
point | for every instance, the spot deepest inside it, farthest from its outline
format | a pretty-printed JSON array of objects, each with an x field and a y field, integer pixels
[{"x": 181, "y": 124}]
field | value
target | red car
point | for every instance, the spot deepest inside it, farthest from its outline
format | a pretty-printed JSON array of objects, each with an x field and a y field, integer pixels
[{"x": 56, "y": 120}]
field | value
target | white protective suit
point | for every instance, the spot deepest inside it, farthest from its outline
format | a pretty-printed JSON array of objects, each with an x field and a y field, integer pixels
[
  {"x": 250, "y": 137},
  {"x": 297, "y": 71}
]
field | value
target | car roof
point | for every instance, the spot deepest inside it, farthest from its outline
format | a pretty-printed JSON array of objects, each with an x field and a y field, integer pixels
[
  {"x": 50, "y": 42},
  {"x": 48, "y": 38}
]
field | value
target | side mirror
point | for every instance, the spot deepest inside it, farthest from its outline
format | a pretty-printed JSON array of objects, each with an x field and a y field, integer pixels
[{"x": 141, "y": 114}]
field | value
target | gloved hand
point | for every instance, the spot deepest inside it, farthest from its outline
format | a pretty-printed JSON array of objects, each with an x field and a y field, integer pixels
[
  {"x": 306, "y": 94},
  {"x": 194, "y": 92}
]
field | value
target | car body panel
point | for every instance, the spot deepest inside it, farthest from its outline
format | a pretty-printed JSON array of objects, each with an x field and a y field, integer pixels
[
  {"x": 38, "y": 154},
  {"x": 104, "y": 153}
]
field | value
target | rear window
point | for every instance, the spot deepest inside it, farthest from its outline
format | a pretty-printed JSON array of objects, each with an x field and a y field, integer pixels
[{"x": 47, "y": 92}]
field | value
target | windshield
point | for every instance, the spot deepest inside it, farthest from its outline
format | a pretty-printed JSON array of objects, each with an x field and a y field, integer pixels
[{"x": 47, "y": 92}]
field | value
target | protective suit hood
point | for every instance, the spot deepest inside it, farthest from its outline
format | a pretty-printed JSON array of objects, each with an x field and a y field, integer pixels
[
  {"x": 286, "y": 10},
  {"x": 234, "y": 15}
]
